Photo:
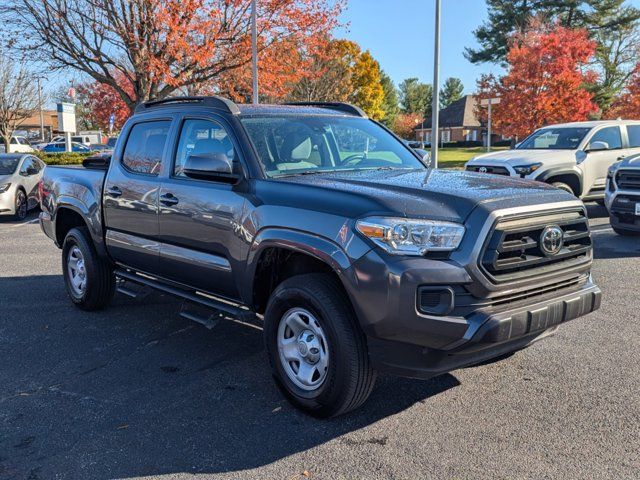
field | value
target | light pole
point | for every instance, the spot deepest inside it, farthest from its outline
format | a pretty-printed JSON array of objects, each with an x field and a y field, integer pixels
[
  {"x": 435, "y": 107},
  {"x": 40, "y": 108},
  {"x": 254, "y": 50},
  {"x": 488, "y": 102}
]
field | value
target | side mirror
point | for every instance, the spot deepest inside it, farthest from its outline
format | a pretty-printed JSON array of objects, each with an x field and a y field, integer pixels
[
  {"x": 598, "y": 146},
  {"x": 209, "y": 166},
  {"x": 32, "y": 171}
]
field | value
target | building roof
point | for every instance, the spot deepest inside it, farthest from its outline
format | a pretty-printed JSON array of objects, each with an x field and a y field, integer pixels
[{"x": 459, "y": 114}]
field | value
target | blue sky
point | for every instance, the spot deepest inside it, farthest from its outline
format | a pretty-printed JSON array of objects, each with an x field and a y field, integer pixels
[{"x": 399, "y": 34}]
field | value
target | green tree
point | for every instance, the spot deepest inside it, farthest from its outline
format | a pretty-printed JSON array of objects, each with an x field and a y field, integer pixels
[
  {"x": 451, "y": 91},
  {"x": 390, "y": 104},
  {"x": 613, "y": 24},
  {"x": 416, "y": 97}
]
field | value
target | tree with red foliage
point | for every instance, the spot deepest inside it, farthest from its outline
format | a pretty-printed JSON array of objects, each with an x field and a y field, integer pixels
[
  {"x": 100, "y": 101},
  {"x": 164, "y": 46},
  {"x": 406, "y": 123},
  {"x": 545, "y": 82},
  {"x": 627, "y": 106}
]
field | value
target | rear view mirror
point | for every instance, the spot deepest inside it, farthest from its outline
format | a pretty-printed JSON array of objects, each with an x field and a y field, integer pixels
[
  {"x": 598, "y": 146},
  {"x": 209, "y": 166}
]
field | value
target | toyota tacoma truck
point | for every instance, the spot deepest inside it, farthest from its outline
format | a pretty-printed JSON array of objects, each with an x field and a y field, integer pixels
[
  {"x": 324, "y": 226},
  {"x": 622, "y": 197},
  {"x": 572, "y": 156}
]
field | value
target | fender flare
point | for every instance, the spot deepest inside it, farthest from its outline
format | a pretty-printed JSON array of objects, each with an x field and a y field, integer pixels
[
  {"x": 91, "y": 218},
  {"x": 554, "y": 172},
  {"x": 307, "y": 243}
]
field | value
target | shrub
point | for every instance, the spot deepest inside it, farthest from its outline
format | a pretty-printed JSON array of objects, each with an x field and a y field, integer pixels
[{"x": 65, "y": 158}]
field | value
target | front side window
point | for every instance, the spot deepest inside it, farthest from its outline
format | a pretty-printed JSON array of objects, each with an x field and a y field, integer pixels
[
  {"x": 634, "y": 135},
  {"x": 144, "y": 148},
  {"x": 553, "y": 138},
  {"x": 290, "y": 144},
  {"x": 610, "y": 135},
  {"x": 199, "y": 137}
]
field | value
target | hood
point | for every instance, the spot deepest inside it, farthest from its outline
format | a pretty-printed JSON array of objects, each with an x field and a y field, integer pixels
[
  {"x": 5, "y": 179},
  {"x": 436, "y": 194},
  {"x": 524, "y": 157},
  {"x": 630, "y": 162}
]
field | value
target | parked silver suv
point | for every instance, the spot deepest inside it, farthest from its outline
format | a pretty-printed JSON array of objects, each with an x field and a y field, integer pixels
[{"x": 622, "y": 197}]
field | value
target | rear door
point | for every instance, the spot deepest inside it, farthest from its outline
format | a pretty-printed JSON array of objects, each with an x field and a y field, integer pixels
[
  {"x": 597, "y": 163},
  {"x": 200, "y": 230},
  {"x": 633, "y": 140},
  {"x": 130, "y": 196}
]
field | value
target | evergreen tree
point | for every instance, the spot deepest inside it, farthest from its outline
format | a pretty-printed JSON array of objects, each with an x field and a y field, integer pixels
[
  {"x": 451, "y": 91},
  {"x": 416, "y": 97},
  {"x": 391, "y": 104}
]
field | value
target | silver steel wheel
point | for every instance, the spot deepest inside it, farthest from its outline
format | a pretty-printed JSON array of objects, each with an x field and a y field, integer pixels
[
  {"x": 303, "y": 349},
  {"x": 76, "y": 270}
]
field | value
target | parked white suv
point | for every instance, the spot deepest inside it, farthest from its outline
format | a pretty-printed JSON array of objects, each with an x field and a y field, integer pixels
[
  {"x": 17, "y": 144},
  {"x": 572, "y": 156}
]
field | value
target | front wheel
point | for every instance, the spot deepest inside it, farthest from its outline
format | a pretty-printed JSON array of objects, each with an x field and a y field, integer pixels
[
  {"x": 21, "y": 205},
  {"x": 89, "y": 279},
  {"x": 317, "y": 351}
]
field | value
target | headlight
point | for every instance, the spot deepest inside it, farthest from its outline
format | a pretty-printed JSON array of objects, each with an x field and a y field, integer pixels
[
  {"x": 403, "y": 236},
  {"x": 524, "y": 170},
  {"x": 4, "y": 187}
]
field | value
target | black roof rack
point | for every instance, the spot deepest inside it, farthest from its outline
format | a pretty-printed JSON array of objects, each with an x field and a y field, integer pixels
[
  {"x": 213, "y": 101},
  {"x": 339, "y": 106}
]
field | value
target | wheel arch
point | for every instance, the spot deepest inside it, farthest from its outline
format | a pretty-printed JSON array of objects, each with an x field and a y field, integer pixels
[
  {"x": 571, "y": 176},
  {"x": 71, "y": 213}
]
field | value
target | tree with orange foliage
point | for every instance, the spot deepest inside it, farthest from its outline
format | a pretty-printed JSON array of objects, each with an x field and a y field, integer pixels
[
  {"x": 164, "y": 46},
  {"x": 627, "y": 106},
  {"x": 545, "y": 82},
  {"x": 100, "y": 101}
]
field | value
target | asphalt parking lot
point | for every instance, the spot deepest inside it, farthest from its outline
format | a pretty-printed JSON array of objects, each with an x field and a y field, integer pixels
[{"x": 137, "y": 391}]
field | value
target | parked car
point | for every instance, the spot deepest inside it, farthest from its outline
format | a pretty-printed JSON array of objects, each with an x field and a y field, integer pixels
[
  {"x": 326, "y": 227},
  {"x": 17, "y": 144},
  {"x": 622, "y": 196},
  {"x": 19, "y": 177},
  {"x": 573, "y": 156},
  {"x": 60, "y": 147}
]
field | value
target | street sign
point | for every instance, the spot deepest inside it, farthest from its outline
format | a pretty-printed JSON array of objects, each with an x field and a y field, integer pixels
[
  {"x": 66, "y": 117},
  {"x": 493, "y": 101},
  {"x": 112, "y": 122}
]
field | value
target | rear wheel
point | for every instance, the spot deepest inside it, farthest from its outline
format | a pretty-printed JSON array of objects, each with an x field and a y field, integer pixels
[
  {"x": 563, "y": 186},
  {"x": 89, "y": 279},
  {"x": 317, "y": 351},
  {"x": 21, "y": 205}
]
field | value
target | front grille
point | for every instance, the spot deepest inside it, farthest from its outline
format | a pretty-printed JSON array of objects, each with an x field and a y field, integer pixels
[
  {"x": 488, "y": 169},
  {"x": 514, "y": 248},
  {"x": 628, "y": 179}
]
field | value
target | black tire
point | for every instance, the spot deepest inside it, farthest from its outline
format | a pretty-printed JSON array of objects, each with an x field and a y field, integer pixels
[
  {"x": 601, "y": 202},
  {"x": 21, "y": 205},
  {"x": 100, "y": 279},
  {"x": 563, "y": 186},
  {"x": 624, "y": 232},
  {"x": 349, "y": 377}
]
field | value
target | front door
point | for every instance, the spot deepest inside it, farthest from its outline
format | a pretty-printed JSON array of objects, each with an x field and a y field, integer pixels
[
  {"x": 131, "y": 196},
  {"x": 201, "y": 240},
  {"x": 597, "y": 162}
]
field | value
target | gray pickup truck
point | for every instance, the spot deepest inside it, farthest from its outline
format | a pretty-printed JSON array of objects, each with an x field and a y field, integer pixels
[
  {"x": 324, "y": 226},
  {"x": 622, "y": 196}
]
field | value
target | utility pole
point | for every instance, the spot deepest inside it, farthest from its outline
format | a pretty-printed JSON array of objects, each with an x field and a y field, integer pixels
[
  {"x": 254, "y": 50},
  {"x": 488, "y": 102},
  {"x": 435, "y": 108},
  {"x": 41, "y": 112}
]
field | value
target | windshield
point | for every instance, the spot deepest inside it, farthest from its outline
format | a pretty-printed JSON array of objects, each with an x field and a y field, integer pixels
[
  {"x": 312, "y": 144},
  {"x": 8, "y": 165},
  {"x": 554, "y": 139}
]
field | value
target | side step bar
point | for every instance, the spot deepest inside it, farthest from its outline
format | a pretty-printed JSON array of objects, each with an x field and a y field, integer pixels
[{"x": 221, "y": 309}]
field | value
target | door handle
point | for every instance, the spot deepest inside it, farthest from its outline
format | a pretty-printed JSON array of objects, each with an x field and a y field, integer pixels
[
  {"x": 114, "y": 192},
  {"x": 168, "y": 199}
]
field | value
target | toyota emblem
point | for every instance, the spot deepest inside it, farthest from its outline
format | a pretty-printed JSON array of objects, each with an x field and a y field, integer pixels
[
  {"x": 551, "y": 240},
  {"x": 483, "y": 170}
]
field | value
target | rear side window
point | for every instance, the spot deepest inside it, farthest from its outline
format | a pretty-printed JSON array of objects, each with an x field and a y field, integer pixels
[
  {"x": 143, "y": 151},
  {"x": 609, "y": 135},
  {"x": 634, "y": 135}
]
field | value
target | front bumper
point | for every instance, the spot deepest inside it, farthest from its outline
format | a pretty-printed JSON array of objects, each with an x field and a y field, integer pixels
[
  {"x": 622, "y": 210},
  {"x": 489, "y": 334},
  {"x": 8, "y": 201}
]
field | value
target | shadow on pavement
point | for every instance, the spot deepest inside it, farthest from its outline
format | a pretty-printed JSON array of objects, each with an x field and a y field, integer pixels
[
  {"x": 135, "y": 391},
  {"x": 595, "y": 210}
]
